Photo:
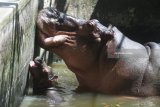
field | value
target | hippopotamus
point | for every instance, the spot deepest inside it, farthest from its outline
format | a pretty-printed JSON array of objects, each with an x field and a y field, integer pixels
[
  {"x": 103, "y": 59},
  {"x": 44, "y": 81},
  {"x": 43, "y": 76}
]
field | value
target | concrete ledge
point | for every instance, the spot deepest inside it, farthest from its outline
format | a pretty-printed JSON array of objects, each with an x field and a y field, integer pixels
[
  {"x": 9, "y": 9},
  {"x": 17, "y": 34}
]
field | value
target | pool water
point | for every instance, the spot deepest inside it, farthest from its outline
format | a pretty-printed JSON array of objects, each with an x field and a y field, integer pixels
[{"x": 67, "y": 85}]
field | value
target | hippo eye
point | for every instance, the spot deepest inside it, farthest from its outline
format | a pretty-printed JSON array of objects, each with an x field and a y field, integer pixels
[
  {"x": 57, "y": 13},
  {"x": 50, "y": 16},
  {"x": 61, "y": 18}
]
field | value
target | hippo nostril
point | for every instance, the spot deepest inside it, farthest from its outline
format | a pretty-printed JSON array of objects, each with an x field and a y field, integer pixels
[{"x": 56, "y": 77}]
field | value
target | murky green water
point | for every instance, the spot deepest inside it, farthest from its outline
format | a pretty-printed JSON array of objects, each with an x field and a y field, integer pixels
[{"x": 68, "y": 83}]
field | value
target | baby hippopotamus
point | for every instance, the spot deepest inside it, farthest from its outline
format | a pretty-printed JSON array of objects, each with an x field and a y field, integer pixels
[
  {"x": 103, "y": 59},
  {"x": 43, "y": 79},
  {"x": 43, "y": 76}
]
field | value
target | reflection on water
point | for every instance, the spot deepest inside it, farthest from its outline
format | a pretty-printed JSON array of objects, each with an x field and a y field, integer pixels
[{"x": 68, "y": 83}]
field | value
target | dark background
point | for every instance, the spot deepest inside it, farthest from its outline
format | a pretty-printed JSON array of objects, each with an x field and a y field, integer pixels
[{"x": 137, "y": 19}]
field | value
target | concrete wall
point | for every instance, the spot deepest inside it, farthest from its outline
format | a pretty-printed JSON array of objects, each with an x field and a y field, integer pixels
[
  {"x": 77, "y": 8},
  {"x": 17, "y": 33}
]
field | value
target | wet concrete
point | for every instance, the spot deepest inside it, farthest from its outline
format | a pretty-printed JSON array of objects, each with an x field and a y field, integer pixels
[
  {"x": 68, "y": 84},
  {"x": 17, "y": 32}
]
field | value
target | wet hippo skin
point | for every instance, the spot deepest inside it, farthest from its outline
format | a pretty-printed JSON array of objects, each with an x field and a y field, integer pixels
[{"x": 103, "y": 59}]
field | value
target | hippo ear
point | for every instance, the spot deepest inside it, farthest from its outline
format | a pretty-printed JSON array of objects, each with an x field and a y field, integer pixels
[{"x": 109, "y": 34}]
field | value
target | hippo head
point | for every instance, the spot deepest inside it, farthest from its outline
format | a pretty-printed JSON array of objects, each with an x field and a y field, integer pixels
[
  {"x": 58, "y": 25},
  {"x": 50, "y": 21}
]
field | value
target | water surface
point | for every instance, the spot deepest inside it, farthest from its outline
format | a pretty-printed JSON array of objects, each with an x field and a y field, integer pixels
[{"x": 68, "y": 83}]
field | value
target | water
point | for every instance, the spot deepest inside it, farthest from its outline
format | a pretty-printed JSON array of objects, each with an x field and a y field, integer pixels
[{"x": 68, "y": 84}]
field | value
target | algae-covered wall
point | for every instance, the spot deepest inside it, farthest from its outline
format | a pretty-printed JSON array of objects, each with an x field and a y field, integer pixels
[
  {"x": 17, "y": 33},
  {"x": 77, "y": 8}
]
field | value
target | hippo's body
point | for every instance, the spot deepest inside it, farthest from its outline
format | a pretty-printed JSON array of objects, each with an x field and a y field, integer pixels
[{"x": 102, "y": 58}]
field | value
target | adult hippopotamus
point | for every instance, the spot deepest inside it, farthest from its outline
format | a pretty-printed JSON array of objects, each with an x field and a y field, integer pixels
[{"x": 102, "y": 58}]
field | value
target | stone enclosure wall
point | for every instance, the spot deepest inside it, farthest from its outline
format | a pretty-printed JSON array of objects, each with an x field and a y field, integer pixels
[{"x": 17, "y": 33}]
